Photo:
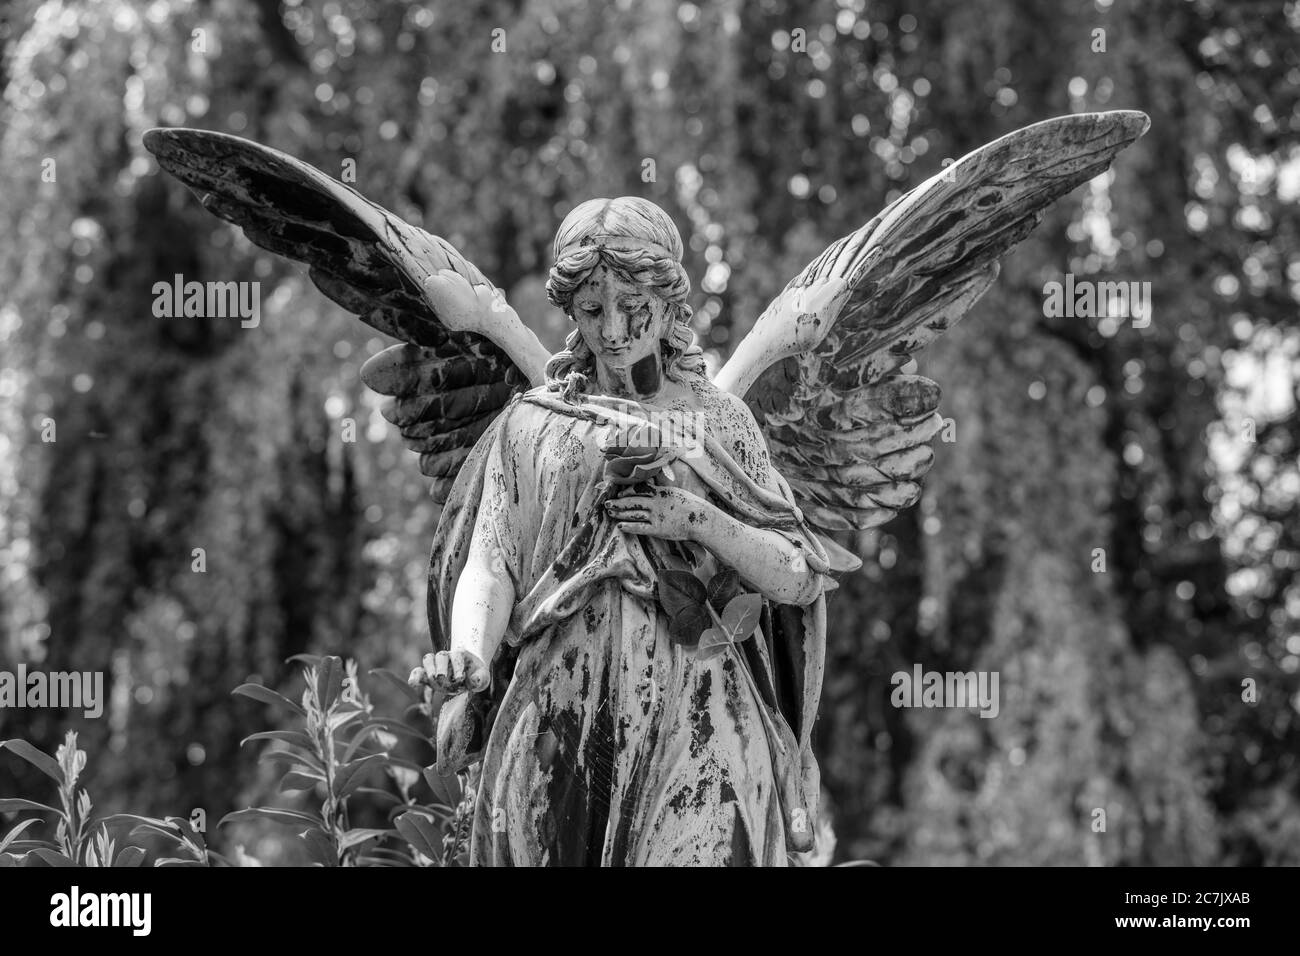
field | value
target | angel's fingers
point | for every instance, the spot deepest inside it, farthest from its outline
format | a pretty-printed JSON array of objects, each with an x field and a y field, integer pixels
[
  {"x": 477, "y": 676},
  {"x": 636, "y": 527},
  {"x": 629, "y": 501},
  {"x": 441, "y": 672},
  {"x": 458, "y": 663}
]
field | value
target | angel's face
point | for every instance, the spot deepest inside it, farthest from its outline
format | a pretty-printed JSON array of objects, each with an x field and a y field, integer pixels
[{"x": 621, "y": 322}]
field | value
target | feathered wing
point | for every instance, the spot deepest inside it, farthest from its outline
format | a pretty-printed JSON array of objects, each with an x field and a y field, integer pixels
[
  {"x": 446, "y": 385},
  {"x": 849, "y": 431}
]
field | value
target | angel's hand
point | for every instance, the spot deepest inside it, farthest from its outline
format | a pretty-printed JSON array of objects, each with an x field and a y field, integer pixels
[
  {"x": 453, "y": 672},
  {"x": 462, "y": 307},
  {"x": 673, "y": 514}
]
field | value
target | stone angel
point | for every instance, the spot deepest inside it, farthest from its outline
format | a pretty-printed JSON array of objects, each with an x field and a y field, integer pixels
[{"x": 627, "y": 586}]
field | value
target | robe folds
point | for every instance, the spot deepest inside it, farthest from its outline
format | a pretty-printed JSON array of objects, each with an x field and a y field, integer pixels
[{"x": 603, "y": 742}]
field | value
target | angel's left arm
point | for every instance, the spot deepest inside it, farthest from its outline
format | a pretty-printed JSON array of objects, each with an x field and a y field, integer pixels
[{"x": 767, "y": 560}]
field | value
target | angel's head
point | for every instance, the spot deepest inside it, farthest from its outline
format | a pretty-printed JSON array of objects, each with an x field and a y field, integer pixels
[{"x": 618, "y": 274}]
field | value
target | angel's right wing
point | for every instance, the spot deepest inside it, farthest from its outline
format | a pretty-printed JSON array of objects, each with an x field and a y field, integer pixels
[
  {"x": 822, "y": 369},
  {"x": 446, "y": 385}
]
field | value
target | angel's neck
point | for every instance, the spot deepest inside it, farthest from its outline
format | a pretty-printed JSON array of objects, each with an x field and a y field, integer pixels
[{"x": 643, "y": 380}]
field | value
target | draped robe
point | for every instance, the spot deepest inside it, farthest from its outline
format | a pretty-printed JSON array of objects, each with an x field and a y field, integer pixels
[{"x": 603, "y": 741}]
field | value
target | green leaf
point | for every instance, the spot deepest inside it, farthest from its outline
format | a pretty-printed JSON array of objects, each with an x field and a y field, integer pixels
[
  {"x": 10, "y": 804},
  {"x": 129, "y": 856},
  {"x": 420, "y": 833},
  {"x": 687, "y": 626},
  {"x": 329, "y": 681},
  {"x": 192, "y": 837},
  {"x": 294, "y": 738},
  {"x": 170, "y": 828},
  {"x": 712, "y": 643},
  {"x": 343, "y": 714},
  {"x": 297, "y": 758},
  {"x": 695, "y": 553},
  {"x": 445, "y": 789},
  {"x": 403, "y": 762},
  {"x": 13, "y": 834},
  {"x": 357, "y": 745},
  {"x": 679, "y": 590},
  {"x": 320, "y": 847},
  {"x": 675, "y": 562},
  {"x": 150, "y": 828},
  {"x": 52, "y": 858},
  {"x": 117, "y": 818},
  {"x": 723, "y": 586},
  {"x": 383, "y": 796},
  {"x": 431, "y": 811},
  {"x": 295, "y": 780},
  {"x": 41, "y": 761},
  {"x": 741, "y": 616},
  {"x": 398, "y": 727},
  {"x": 356, "y": 837},
  {"x": 265, "y": 695},
  {"x": 274, "y": 814},
  {"x": 351, "y": 775},
  {"x": 402, "y": 687}
]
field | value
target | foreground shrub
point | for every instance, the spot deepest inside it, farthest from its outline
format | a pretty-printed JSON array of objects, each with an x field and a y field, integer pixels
[{"x": 338, "y": 748}]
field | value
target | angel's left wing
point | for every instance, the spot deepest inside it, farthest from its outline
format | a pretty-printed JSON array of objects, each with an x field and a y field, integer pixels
[
  {"x": 821, "y": 367},
  {"x": 452, "y": 373}
]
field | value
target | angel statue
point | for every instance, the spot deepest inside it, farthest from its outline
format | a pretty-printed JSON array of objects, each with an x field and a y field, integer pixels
[{"x": 627, "y": 587}]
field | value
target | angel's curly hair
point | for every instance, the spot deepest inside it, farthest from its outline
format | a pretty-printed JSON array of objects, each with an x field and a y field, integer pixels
[{"x": 640, "y": 242}]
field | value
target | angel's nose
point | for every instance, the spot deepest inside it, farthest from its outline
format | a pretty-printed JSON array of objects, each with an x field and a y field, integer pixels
[{"x": 616, "y": 328}]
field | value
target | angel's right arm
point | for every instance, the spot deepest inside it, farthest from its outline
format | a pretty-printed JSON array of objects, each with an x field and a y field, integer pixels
[
  {"x": 480, "y": 610},
  {"x": 486, "y": 590}
]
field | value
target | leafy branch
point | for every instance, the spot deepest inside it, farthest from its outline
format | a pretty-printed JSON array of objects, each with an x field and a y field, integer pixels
[
  {"x": 336, "y": 755},
  {"x": 78, "y": 840},
  {"x": 338, "y": 747},
  {"x": 712, "y": 617}
]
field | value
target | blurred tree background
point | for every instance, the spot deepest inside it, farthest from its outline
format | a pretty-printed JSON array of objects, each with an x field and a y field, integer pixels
[{"x": 767, "y": 129}]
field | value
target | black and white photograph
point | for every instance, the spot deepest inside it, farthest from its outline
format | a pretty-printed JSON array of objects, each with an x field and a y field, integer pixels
[{"x": 852, "y": 434}]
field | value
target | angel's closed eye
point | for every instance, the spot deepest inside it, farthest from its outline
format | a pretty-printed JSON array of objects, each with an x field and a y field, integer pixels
[{"x": 589, "y": 308}]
